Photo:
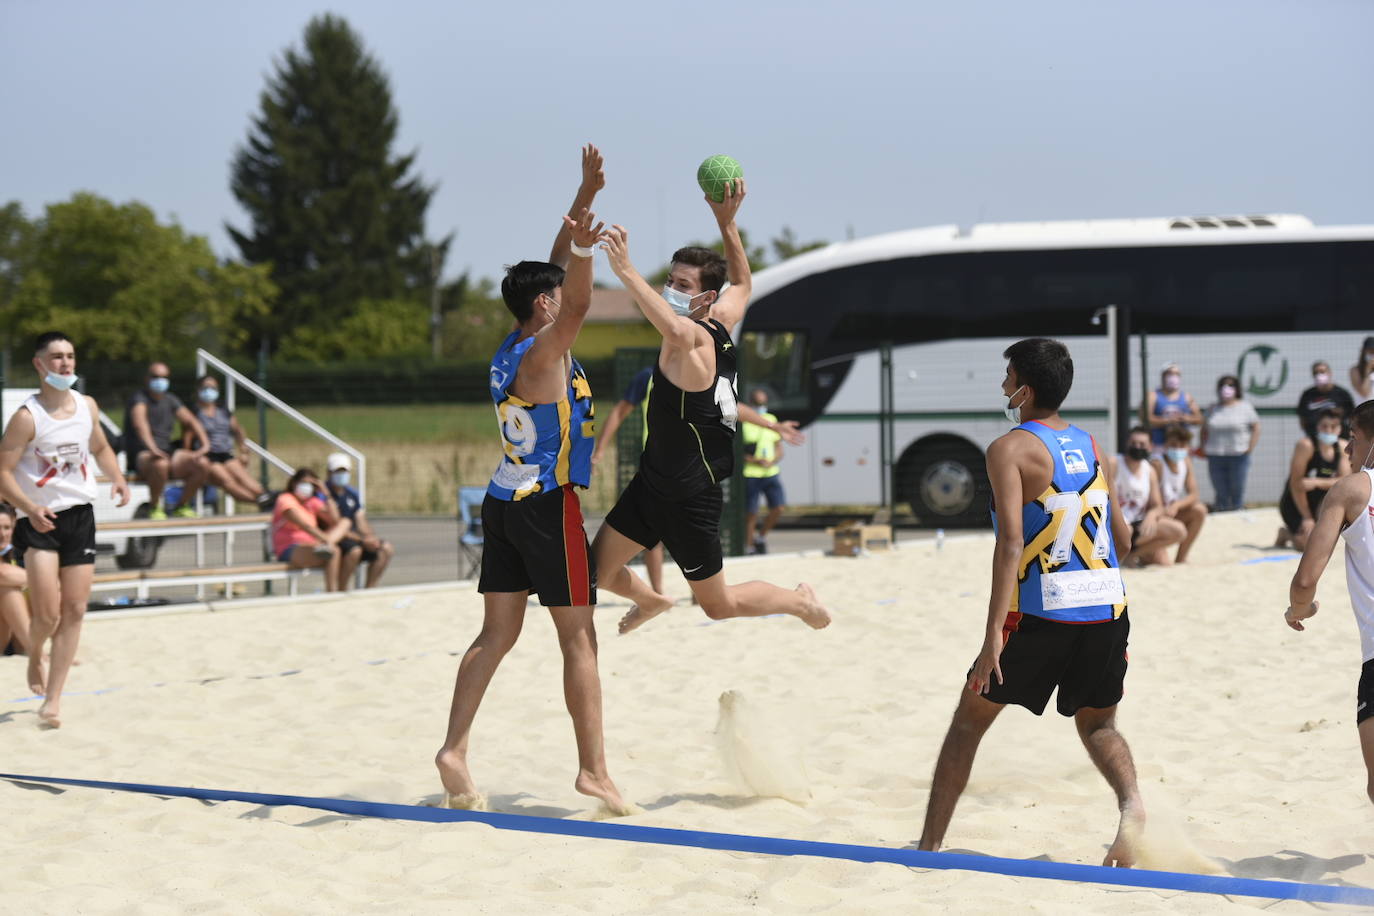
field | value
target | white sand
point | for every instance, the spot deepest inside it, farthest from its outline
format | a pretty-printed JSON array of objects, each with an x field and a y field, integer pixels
[{"x": 1241, "y": 726}]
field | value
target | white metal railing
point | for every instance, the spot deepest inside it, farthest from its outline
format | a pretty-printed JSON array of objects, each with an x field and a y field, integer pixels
[{"x": 234, "y": 379}]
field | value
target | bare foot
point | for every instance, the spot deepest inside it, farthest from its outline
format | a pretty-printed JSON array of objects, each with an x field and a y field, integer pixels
[
  {"x": 459, "y": 791},
  {"x": 640, "y": 614},
  {"x": 1282, "y": 539},
  {"x": 605, "y": 790},
  {"x": 48, "y": 718},
  {"x": 38, "y": 676},
  {"x": 814, "y": 613},
  {"x": 1123, "y": 851}
]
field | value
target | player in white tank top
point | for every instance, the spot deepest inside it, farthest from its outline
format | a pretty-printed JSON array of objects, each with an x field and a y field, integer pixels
[
  {"x": 1348, "y": 513},
  {"x": 1178, "y": 488},
  {"x": 48, "y": 459}
]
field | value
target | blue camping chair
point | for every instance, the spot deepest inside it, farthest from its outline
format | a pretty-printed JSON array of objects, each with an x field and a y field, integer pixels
[{"x": 470, "y": 538}]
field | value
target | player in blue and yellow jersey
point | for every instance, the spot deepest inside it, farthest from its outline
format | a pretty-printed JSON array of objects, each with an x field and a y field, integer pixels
[
  {"x": 533, "y": 539},
  {"x": 1057, "y": 616},
  {"x": 691, "y": 414}
]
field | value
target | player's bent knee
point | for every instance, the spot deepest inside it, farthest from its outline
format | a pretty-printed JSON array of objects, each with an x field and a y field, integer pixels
[{"x": 718, "y": 608}]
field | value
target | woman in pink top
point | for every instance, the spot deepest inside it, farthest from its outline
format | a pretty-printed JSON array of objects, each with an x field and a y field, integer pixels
[{"x": 307, "y": 527}]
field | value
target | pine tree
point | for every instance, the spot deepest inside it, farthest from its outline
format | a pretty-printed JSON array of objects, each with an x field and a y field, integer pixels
[{"x": 339, "y": 218}]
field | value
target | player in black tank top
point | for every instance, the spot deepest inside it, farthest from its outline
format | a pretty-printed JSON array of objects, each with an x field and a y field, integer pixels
[
  {"x": 1317, "y": 475},
  {"x": 675, "y": 498},
  {"x": 690, "y": 445}
]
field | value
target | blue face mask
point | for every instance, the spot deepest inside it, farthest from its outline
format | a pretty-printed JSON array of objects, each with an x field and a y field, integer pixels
[
  {"x": 1177, "y": 455},
  {"x": 159, "y": 385},
  {"x": 678, "y": 301},
  {"x": 209, "y": 395},
  {"x": 340, "y": 478},
  {"x": 1328, "y": 438},
  {"x": 60, "y": 382}
]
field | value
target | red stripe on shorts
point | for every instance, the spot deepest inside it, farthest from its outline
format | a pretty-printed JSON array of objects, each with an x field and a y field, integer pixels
[{"x": 575, "y": 549}]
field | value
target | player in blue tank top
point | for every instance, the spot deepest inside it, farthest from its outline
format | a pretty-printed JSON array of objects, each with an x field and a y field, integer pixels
[
  {"x": 1057, "y": 614},
  {"x": 533, "y": 538}
]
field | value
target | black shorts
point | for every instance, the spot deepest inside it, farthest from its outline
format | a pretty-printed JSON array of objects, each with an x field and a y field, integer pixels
[
  {"x": 1364, "y": 694},
  {"x": 131, "y": 459},
  {"x": 1086, "y": 661},
  {"x": 220, "y": 457},
  {"x": 347, "y": 544},
  {"x": 538, "y": 544},
  {"x": 688, "y": 528},
  {"x": 73, "y": 539},
  {"x": 769, "y": 488},
  {"x": 1135, "y": 530}
]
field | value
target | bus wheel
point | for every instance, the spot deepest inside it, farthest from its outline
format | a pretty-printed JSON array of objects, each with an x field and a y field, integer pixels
[{"x": 945, "y": 483}]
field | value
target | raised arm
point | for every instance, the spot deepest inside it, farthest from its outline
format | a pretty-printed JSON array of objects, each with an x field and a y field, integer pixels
[
  {"x": 554, "y": 341},
  {"x": 734, "y": 299},
  {"x": 678, "y": 331},
  {"x": 593, "y": 180}
]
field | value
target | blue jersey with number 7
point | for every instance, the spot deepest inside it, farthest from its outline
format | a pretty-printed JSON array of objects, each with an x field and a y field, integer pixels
[{"x": 1068, "y": 568}]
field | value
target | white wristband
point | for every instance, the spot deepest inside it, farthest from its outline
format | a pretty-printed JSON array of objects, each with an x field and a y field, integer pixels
[{"x": 580, "y": 252}]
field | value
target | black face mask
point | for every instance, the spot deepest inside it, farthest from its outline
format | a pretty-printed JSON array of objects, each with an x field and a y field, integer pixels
[{"x": 1137, "y": 453}]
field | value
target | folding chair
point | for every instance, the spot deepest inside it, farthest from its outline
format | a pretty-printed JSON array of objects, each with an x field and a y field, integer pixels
[{"x": 470, "y": 539}]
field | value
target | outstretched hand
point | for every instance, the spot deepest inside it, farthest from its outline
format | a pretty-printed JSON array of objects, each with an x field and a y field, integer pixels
[
  {"x": 791, "y": 433},
  {"x": 584, "y": 235},
  {"x": 726, "y": 208},
  {"x": 615, "y": 242},
  {"x": 593, "y": 174}
]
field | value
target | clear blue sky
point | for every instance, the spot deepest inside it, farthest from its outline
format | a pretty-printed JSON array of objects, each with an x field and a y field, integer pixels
[{"x": 864, "y": 114}]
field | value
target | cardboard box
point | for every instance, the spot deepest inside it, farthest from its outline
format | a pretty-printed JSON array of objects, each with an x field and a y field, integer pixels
[{"x": 853, "y": 538}]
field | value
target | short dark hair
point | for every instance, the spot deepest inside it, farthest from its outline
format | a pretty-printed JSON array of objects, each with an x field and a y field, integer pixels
[
  {"x": 1177, "y": 432},
  {"x": 1363, "y": 417},
  {"x": 1229, "y": 380},
  {"x": 526, "y": 282},
  {"x": 40, "y": 343},
  {"x": 1329, "y": 413},
  {"x": 1044, "y": 365},
  {"x": 1320, "y": 362},
  {"x": 7, "y": 509},
  {"x": 207, "y": 377},
  {"x": 298, "y": 476},
  {"x": 712, "y": 264},
  {"x": 1137, "y": 431}
]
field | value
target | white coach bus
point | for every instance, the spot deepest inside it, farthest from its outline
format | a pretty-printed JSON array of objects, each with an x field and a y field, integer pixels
[{"x": 1261, "y": 297}]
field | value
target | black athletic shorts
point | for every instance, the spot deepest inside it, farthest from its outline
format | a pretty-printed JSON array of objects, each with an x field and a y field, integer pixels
[
  {"x": 1086, "y": 661},
  {"x": 1364, "y": 694},
  {"x": 538, "y": 544},
  {"x": 220, "y": 457},
  {"x": 347, "y": 544},
  {"x": 689, "y": 528},
  {"x": 73, "y": 538}
]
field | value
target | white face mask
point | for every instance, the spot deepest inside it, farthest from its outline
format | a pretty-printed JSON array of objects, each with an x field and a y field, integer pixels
[
  {"x": 304, "y": 491},
  {"x": 1328, "y": 438},
  {"x": 60, "y": 382},
  {"x": 1177, "y": 455},
  {"x": 1227, "y": 392},
  {"x": 1322, "y": 379},
  {"x": 680, "y": 302},
  {"x": 1014, "y": 413},
  {"x": 1172, "y": 382}
]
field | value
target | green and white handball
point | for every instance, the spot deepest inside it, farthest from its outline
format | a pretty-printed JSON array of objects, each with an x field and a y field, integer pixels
[{"x": 713, "y": 174}]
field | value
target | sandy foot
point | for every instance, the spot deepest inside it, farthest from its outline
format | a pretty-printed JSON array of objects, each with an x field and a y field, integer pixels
[
  {"x": 48, "y": 718},
  {"x": 605, "y": 790},
  {"x": 38, "y": 676},
  {"x": 473, "y": 801},
  {"x": 814, "y": 614},
  {"x": 640, "y": 614},
  {"x": 1128, "y": 834}
]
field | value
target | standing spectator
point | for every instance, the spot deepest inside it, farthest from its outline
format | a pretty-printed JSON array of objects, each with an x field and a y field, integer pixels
[
  {"x": 1322, "y": 396},
  {"x": 1318, "y": 462},
  {"x": 225, "y": 469},
  {"x": 361, "y": 544},
  {"x": 1230, "y": 432},
  {"x": 762, "y": 452},
  {"x": 1178, "y": 487},
  {"x": 1170, "y": 404},
  {"x": 1136, "y": 487},
  {"x": 305, "y": 531},
  {"x": 14, "y": 606},
  {"x": 635, "y": 395},
  {"x": 149, "y": 422},
  {"x": 1362, "y": 373}
]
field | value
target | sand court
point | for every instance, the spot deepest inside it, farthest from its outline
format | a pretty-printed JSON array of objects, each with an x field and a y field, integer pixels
[{"x": 1243, "y": 733}]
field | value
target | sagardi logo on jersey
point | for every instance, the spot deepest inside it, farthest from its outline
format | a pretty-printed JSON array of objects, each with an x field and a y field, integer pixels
[{"x": 1074, "y": 462}]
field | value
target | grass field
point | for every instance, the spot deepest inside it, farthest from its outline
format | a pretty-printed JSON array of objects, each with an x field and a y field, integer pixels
[{"x": 418, "y": 423}]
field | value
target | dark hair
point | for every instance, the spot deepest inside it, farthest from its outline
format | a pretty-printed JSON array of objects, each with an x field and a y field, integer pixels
[
  {"x": 301, "y": 474},
  {"x": 1320, "y": 362},
  {"x": 1232, "y": 381},
  {"x": 7, "y": 509},
  {"x": 1363, "y": 417},
  {"x": 1329, "y": 413},
  {"x": 207, "y": 377},
  {"x": 1177, "y": 433},
  {"x": 40, "y": 343},
  {"x": 713, "y": 267},
  {"x": 1364, "y": 348},
  {"x": 1138, "y": 431},
  {"x": 1044, "y": 365},
  {"x": 526, "y": 282}
]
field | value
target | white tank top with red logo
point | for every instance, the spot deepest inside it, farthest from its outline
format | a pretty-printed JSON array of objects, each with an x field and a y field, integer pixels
[
  {"x": 1132, "y": 491},
  {"x": 1359, "y": 569},
  {"x": 56, "y": 470}
]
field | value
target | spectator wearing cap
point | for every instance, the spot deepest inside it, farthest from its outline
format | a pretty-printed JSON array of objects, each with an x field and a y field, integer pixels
[
  {"x": 361, "y": 544},
  {"x": 1324, "y": 395},
  {"x": 1170, "y": 405},
  {"x": 1230, "y": 432}
]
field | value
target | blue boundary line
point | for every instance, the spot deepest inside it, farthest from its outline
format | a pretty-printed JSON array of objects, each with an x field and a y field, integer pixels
[{"x": 665, "y": 836}]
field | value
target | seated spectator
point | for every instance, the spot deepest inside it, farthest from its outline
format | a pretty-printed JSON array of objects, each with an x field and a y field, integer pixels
[
  {"x": 1178, "y": 487},
  {"x": 361, "y": 545},
  {"x": 14, "y": 604},
  {"x": 1318, "y": 462},
  {"x": 1362, "y": 373},
  {"x": 1169, "y": 405},
  {"x": 149, "y": 422},
  {"x": 225, "y": 469},
  {"x": 1322, "y": 396},
  {"x": 1136, "y": 486},
  {"x": 307, "y": 528}
]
